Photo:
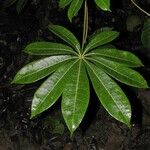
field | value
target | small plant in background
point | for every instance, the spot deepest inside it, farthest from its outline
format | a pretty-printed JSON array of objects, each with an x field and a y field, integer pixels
[
  {"x": 71, "y": 66},
  {"x": 145, "y": 37},
  {"x": 20, "y": 4},
  {"x": 75, "y": 5}
]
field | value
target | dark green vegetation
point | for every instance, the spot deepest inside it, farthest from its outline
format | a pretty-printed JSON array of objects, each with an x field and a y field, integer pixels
[
  {"x": 19, "y": 6},
  {"x": 71, "y": 66},
  {"x": 145, "y": 37}
]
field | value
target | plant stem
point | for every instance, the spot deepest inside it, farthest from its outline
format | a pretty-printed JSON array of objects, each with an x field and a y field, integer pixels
[
  {"x": 140, "y": 8},
  {"x": 85, "y": 25}
]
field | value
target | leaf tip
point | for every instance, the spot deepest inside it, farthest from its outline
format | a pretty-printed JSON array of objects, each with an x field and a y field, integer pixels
[
  {"x": 107, "y": 9},
  {"x": 25, "y": 50},
  {"x": 70, "y": 17},
  {"x": 33, "y": 114},
  {"x": 14, "y": 81}
]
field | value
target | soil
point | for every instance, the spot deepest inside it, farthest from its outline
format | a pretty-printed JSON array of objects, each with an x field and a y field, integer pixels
[{"x": 98, "y": 131}]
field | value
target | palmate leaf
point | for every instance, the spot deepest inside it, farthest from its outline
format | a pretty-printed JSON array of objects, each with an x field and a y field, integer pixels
[
  {"x": 48, "y": 48},
  {"x": 51, "y": 89},
  {"x": 75, "y": 97},
  {"x": 74, "y": 8},
  {"x": 123, "y": 57},
  {"x": 120, "y": 72},
  {"x": 37, "y": 70},
  {"x": 102, "y": 38},
  {"x": 110, "y": 94},
  {"x": 103, "y": 4},
  {"x": 65, "y": 35},
  {"x": 67, "y": 66}
]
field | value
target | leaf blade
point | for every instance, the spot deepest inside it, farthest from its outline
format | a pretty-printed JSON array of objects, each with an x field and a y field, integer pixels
[
  {"x": 110, "y": 94},
  {"x": 120, "y": 72},
  {"x": 75, "y": 97},
  {"x": 102, "y": 38},
  {"x": 37, "y": 70},
  {"x": 48, "y": 48},
  {"x": 103, "y": 4},
  {"x": 74, "y": 8},
  {"x": 64, "y": 3},
  {"x": 65, "y": 35},
  {"x": 123, "y": 57},
  {"x": 50, "y": 90}
]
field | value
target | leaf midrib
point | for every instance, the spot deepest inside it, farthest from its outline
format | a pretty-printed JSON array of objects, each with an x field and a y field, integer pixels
[{"x": 76, "y": 91}]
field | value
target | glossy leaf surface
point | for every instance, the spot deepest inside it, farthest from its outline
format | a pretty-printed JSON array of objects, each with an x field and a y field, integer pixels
[
  {"x": 65, "y": 35},
  {"x": 103, "y": 4},
  {"x": 102, "y": 38},
  {"x": 74, "y": 8},
  {"x": 126, "y": 58},
  {"x": 120, "y": 72},
  {"x": 64, "y": 3},
  {"x": 48, "y": 48},
  {"x": 75, "y": 97},
  {"x": 110, "y": 95},
  {"x": 39, "y": 69},
  {"x": 50, "y": 90}
]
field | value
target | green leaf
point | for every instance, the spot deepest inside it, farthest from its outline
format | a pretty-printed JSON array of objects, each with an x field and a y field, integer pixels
[
  {"x": 103, "y": 4},
  {"x": 102, "y": 38},
  {"x": 74, "y": 8},
  {"x": 37, "y": 70},
  {"x": 64, "y": 3},
  {"x": 75, "y": 98},
  {"x": 48, "y": 48},
  {"x": 110, "y": 94},
  {"x": 120, "y": 72},
  {"x": 123, "y": 57},
  {"x": 65, "y": 35},
  {"x": 98, "y": 31},
  {"x": 145, "y": 37},
  {"x": 50, "y": 90},
  {"x": 20, "y": 5}
]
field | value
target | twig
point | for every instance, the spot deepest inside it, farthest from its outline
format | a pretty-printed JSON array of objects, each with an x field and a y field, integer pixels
[{"x": 148, "y": 14}]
